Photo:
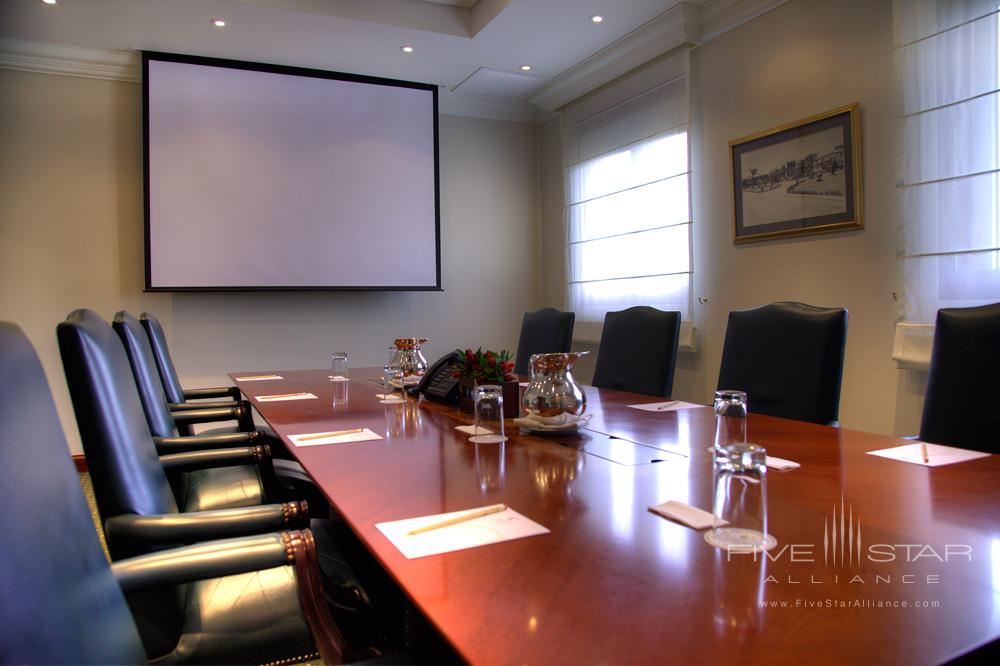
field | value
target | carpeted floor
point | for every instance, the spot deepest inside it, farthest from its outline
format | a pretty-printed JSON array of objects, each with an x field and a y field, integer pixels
[{"x": 88, "y": 492}]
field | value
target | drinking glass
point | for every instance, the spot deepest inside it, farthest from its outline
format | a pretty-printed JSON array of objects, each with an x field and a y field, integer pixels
[
  {"x": 490, "y": 466},
  {"x": 391, "y": 378},
  {"x": 395, "y": 419},
  {"x": 730, "y": 418},
  {"x": 488, "y": 415},
  {"x": 739, "y": 503},
  {"x": 340, "y": 393},
  {"x": 339, "y": 362}
]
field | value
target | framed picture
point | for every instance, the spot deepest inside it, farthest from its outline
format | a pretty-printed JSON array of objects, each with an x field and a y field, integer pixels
[{"x": 801, "y": 178}]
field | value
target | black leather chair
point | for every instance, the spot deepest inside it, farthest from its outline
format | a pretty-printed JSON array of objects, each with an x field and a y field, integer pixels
[
  {"x": 788, "y": 358},
  {"x": 638, "y": 351},
  {"x": 129, "y": 477},
  {"x": 60, "y": 600},
  {"x": 178, "y": 397},
  {"x": 965, "y": 364},
  {"x": 545, "y": 330},
  {"x": 217, "y": 488}
]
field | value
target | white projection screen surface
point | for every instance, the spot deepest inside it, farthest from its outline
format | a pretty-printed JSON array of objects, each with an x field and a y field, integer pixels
[{"x": 264, "y": 177}]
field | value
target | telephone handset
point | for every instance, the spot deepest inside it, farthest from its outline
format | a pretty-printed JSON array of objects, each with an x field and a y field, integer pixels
[{"x": 438, "y": 383}]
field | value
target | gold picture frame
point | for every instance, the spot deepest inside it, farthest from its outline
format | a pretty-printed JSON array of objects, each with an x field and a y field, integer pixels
[{"x": 803, "y": 177}]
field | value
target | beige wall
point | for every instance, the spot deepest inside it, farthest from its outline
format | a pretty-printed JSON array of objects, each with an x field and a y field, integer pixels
[
  {"x": 803, "y": 58},
  {"x": 71, "y": 236}
]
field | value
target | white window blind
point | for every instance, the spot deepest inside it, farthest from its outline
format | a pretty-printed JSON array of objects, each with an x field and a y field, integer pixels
[
  {"x": 948, "y": 62},
  {"x": 628, "y": 210}
]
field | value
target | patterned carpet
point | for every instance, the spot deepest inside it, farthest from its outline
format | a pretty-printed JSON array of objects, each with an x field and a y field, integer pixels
[{"x": 88, "y": 492}]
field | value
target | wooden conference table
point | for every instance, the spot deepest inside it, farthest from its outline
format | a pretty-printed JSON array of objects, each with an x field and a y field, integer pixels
[{"x": 615, "y": 583}]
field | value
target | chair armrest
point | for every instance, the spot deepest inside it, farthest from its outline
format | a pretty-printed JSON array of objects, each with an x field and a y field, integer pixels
[
  {"x": 207, "y": 415},
  {"x": 129, "y": 530},
  {"x": 260, "y": 456},
  {"x": 197, "y": 442},
  {"x": 216, "y": 392},
  {"x": 211, "y": 559},
  {"x": 190, "y": 461},
  {"x": 213, "y": 404}
]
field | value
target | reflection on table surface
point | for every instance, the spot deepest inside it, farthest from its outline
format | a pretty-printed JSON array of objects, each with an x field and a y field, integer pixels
[{"x": 613, "y": 582}]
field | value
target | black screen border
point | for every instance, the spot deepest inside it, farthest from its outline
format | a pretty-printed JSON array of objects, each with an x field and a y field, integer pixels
[{"x": 161, "y": 56}]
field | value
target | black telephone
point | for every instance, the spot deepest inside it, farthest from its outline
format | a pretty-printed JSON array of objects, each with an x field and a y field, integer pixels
[{"x": 438, "y": 383}]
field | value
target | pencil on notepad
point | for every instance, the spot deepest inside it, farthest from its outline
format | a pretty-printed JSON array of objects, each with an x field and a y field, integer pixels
[
  {"x": 280, "y": 395},
  {"x": 923, "y": 451},
  {"x": 335, "y": 433},
  {"x": 496, "y": 508}
]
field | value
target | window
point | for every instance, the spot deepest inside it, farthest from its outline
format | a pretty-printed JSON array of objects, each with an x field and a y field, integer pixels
[
  {"x": 629, "y": 229},
  {"x": 948, "y": 65},
  {"x": 628, "y": 211}
]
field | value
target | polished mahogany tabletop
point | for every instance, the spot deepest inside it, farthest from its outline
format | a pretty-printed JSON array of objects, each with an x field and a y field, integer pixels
[{"x": 615, "y": 583}]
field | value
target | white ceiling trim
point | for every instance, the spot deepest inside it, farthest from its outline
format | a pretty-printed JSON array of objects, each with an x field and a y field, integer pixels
[
  {"x": 493, "y": 108},
  {"x": 673, "y": 28},
  {"x": 721, "y": 16},
  {"x": 683, "y": 24},
  {"x": 45, "y": 58},
  {"x": 112, "y": 65}
]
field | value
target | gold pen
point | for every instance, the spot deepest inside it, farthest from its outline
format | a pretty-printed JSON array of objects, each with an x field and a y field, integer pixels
[
  {"x": 324, "y": 435},
  {"x": 923, "y": 450},
  {"x": 496, "y": 508},
  {"x": 250, "y": 378}
]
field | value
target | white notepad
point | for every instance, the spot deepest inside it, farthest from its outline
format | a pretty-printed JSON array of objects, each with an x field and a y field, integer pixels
[
  {"x": 937, "y": 454},
  {"x": 506, "y": 525},
  {"x": 685, "y": 514},
  {"x": 471, "y": 430},
  {"x": 781, "y": 464},
  {"x": 665, "y": 406},
  {"x": 286, "y": 396},
  {"x": 315, "y": 438}
]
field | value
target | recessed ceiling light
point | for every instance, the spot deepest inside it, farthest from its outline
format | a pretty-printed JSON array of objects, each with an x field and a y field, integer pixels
[
  {"x": 597, "y": 18},
  {"x": 525, "y": 68},
  {"x": 219, "y": 23},
  {"x": 49, "y": 2},
  {"x": 406, "y": 49}
]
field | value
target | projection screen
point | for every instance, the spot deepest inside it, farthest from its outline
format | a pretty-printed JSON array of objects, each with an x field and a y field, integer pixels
[{"x": 263, "y": 177}]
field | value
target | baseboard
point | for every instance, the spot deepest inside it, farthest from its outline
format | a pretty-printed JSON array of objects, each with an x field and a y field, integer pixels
[{"x": 80, "y": 462}]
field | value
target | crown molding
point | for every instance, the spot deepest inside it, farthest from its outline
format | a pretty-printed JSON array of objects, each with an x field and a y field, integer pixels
[
  {"x": 721, "y": 16},
  {"x": 685, "y": 24},
  {"x": 676, "y": 27},
  {"x": 46, "y": 58},
  {"x": 62, "y": 60},
  {"x": 492, "y": 108}
]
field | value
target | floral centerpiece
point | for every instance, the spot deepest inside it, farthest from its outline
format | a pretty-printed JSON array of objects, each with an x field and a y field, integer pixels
[
  {"x": 489, "y": 367},
  {"x": 486, "y": 367}
]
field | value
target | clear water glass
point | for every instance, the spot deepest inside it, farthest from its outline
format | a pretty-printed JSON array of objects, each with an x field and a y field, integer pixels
[
  {"x": 730, "y": 418},
  {"x": 739, "y": 501},
  {"x": 392, "y": 377},
  {"x": 489, "y": 426},
  {"x": 338, "y": 361},
  {"x": 341, "y": 391}
]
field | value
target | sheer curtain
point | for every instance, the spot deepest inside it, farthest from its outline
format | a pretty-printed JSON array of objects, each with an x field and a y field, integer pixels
[
  {"x": 948, "y": 60},
  {"x": 628, "y": 212}
]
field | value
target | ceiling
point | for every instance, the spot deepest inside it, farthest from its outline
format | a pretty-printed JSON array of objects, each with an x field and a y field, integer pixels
[{"x": 473, "y": 48}]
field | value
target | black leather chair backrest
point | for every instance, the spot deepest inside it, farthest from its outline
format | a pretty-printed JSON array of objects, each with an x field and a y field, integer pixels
[
  {"x": 959, "y": 408},
  {"x": 638, "y": 351},
  {"x": 147, "y": 376},
  {"x": 164, "y": 364},
  {"x": 121, "y": 456},
  {"x": 542, "y": 331},
  {"x": 59, "y": 603},
  {"x": 789, "y": 358}
]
